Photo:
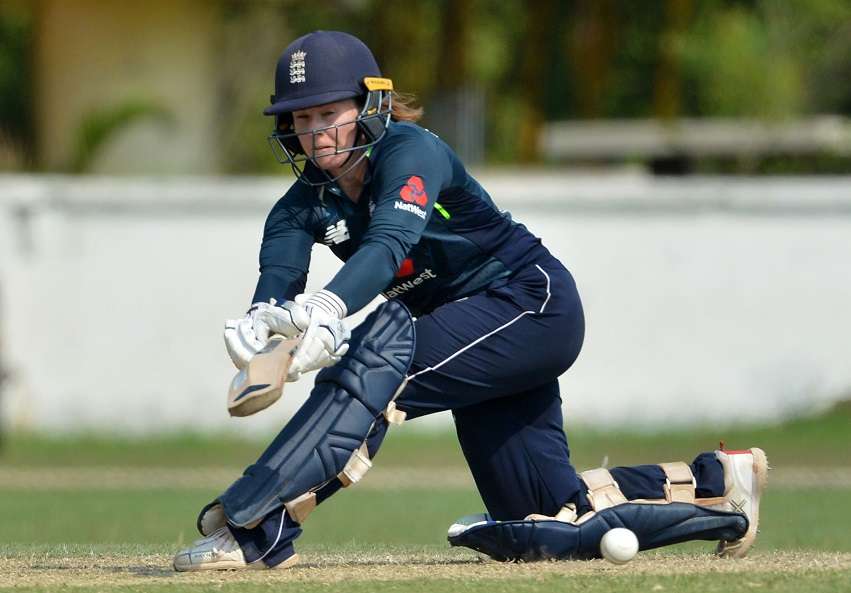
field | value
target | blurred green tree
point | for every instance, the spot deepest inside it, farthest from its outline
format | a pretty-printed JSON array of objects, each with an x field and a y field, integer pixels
[
  {"x": 526, "y": 62},
  {"x": 17, "y": 138},
  {"x": 740, "y": 67},
  {"x": 101, "y": 125}
]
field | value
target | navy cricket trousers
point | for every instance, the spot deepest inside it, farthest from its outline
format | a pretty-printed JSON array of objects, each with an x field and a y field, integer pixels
[{"x": 494, "y": 360}]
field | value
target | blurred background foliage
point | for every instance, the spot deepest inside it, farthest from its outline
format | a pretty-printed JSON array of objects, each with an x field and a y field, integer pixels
[
  {"x": 98, "y": 127},
  {"x": 502, "y": 68},
  {"x": 17, "y": 133}
]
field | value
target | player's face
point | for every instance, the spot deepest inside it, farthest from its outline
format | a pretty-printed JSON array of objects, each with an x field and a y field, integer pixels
[{"x": 321, "y": 144}]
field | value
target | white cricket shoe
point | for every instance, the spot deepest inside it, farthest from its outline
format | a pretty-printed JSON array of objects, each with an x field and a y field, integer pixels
[
  {"x": 745, "y": 477},
  {"x": 220, "y": 551}
]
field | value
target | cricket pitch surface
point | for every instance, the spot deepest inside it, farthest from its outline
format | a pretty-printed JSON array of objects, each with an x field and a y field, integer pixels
[{"x": 414, "y": 570}]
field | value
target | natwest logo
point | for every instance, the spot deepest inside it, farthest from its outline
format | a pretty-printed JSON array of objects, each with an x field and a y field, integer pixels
[
  {"x": 404, "y": 287},
  {"x": 414, "y": 192},
  {"x": 412, "y": 208},
  {"x": 406, "y": 268}
]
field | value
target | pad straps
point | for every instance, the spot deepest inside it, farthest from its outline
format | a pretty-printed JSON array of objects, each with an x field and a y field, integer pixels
[
  {"x": 393, "y": 414},
  {"x": 299, "y": 508},
  {"x": 680, "y": 483},
  {"x": 603, "y": 491},
  {"x": 359, "y": 463}
]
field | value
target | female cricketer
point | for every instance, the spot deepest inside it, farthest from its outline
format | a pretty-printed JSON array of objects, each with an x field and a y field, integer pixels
[{"x": 481, "y": 319}]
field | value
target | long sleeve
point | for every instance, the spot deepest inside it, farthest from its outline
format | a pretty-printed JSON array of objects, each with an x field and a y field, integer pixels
[
  {"x": 285, "y": 250},
  {"x": 405, "y": 185}
]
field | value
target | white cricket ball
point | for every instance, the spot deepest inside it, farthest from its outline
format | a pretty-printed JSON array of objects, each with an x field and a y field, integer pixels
[{"x": 619, "y": 545}]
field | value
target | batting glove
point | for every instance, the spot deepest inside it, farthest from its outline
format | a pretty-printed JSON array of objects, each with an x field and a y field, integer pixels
[
  {"x": 289, "y": 319},
  {"x": 247, "y": 336},
  {"x": 325, "y": 338}
]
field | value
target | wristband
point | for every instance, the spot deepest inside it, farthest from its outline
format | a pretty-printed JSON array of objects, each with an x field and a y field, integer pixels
[{"x": 327, "y": 301}]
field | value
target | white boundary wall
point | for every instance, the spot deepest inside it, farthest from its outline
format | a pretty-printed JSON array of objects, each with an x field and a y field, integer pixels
[{"x": 706, "y": 298}]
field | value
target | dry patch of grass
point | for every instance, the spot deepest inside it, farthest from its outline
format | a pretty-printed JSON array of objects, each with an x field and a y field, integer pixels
[{"x": 53, "y": 570}]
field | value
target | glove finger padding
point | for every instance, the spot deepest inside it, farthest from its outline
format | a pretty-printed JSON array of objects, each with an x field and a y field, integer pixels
[
  {"x": 248, "y": 337},
  {"x": 323, "y": 345},
  {"x": 231, "y": 345},
  {"x": 339, "y": 354},
  {"x": 288, "y": 320},
  {"x": 238, "y": 351},
  {"x": 242, "y": 341},
  {"x": 262, "y": 331}
]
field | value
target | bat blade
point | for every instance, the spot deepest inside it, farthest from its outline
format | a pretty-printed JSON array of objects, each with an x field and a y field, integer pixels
[{"x": 261, "y": 383}]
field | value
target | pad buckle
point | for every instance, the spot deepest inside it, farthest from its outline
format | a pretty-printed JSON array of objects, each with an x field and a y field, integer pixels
[
  {"x": 603, "y": 490},
  {"x": 567, "y": 513},
  {"x": 299, "y": 508},
  {"x": 680, "y": 483},
  {"x": 356, "y": 467},
  {"x": 393, "y": 414}
]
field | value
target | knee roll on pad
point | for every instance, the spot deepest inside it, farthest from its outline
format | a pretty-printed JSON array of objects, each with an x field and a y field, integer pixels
[
  {"x": 325, "y": 439},
  {"x": 654, "y": 525}
]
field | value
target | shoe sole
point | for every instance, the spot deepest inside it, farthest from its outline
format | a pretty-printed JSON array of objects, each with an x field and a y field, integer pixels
[
  {"x": 220, "y": 565},
  {"x": 739, "y": 548},
  {"x": 235, "y": 565},
  {"x": 289, "y": 562}
]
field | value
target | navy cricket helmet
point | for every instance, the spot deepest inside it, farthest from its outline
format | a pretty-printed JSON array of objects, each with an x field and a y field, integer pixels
[{"x": 324, "y": 67}]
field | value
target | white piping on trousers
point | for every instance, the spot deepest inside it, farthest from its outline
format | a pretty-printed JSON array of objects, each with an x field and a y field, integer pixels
[
  {"x": 489, "y": 334},
  {"x": 277, "y": 539},
  {"x": 547, "y": 276}
]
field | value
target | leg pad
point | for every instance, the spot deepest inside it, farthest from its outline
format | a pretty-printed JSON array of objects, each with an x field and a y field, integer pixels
[
  {"x": 325, "y": 439},
  {"x": 655, "y": 525}
]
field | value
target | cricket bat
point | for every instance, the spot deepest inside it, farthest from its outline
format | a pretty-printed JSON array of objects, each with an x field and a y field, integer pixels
[{"x": 261, "y": 382}]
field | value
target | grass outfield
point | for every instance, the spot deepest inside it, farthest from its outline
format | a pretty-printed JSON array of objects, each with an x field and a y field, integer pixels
[
  {"x": 818, "y": 441},
  {"x": 98, "y": 514},
  {"x": 389, "y": 518}
]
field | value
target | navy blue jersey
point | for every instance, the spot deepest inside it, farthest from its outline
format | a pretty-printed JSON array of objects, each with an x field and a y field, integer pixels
[{"x": 423, "y": 231}]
